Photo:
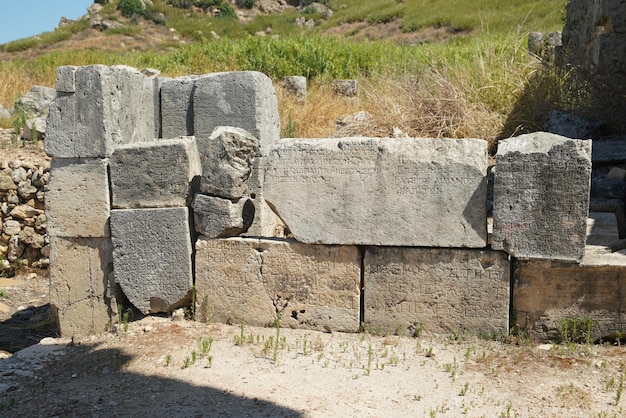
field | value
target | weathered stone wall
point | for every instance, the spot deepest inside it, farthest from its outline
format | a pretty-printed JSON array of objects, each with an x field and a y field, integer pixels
[{"x": 184, "y": 193}]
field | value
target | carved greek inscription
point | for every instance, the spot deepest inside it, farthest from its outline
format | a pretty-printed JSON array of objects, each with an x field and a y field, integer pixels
[{"x": 449, "y": 285}]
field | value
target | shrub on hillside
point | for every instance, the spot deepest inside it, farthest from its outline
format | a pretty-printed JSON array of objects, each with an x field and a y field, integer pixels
[{"x": 130, "y": 8}]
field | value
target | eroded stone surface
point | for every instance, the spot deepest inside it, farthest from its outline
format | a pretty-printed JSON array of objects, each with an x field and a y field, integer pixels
[
  {"x": 109, "y": 106},
  {"x": 541, "y": 196},
  {"x": 215, "y": 217},
  {"x": 77, "y": 198},
  {"x": 79, "y": 269},
  {"x": 152, "y": 256},
  {"x": 228, "y": 162},
  {"x": 443, "y": 290},
  {"x": 251, "y": 280},
  {"x": 155, "y": 174},
  {"x": 177, "y": 107},
  {"x": 381, "y": 191},
  {"x": 549, "y": 295}
]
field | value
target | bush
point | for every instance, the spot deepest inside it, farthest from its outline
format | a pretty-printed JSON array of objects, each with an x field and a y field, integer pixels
[
  {"x": 226, "y": 11},
  {"x": 181, "y": 4},
  {"x": 130, "y": 8}
]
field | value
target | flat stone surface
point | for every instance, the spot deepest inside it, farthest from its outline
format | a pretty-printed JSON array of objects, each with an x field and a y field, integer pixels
[
  {"x": 541, "y": 196},
  {"x": 381, "y": 191},
  {"x": 155, "y": 174},
  {"x": 177, "y": 107},
  {"x": 244, "y": 99},
  {"x": 602, "y": 228},
  {"x": 110, "y": 106},
  {"x": 77, "y": 198},
  {"x": 152, "y": 256},
  {"x": 443, "y": 290},
  {"x": 250, "y": 280},
  {"x": 547, "y": 295},
  {"x": 79, "y": 269},
  {"x": 215, "y": 217}
]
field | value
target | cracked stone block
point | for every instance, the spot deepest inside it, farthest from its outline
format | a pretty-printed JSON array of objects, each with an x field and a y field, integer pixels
[
  {"x": 441, "y": 290},
  {"x": 79, "y": 268},
  {"x": 77, "y": 198},
  {"x": 380, "y": 191},
  {"x": 152, "y": 256},
  {"x": 541, "y": 197},
  {"x": 155, "y": 174},
  {"x": 251, "y": 280}
]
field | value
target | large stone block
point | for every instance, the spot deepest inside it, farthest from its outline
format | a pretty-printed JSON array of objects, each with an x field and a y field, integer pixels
[
  {"x": 227, "y": 163},
  {"x": 245, "y": 100},
  {"x": 155, "y": 174},
  {"x": 177, "y": 107},
  {"x": 251, "y": 280},
  {"x": 79, "y": 269},
  {"x": 77, "y": 198},
  {"x": 541, "y": 196},
  {"x": 551, "y": 297},
  {"x": 443, "y": 290},
  {"x": 381, "y": 191},
  {"x": 110, "y": 106},
  {"x": 152, "y": 256},
  {"x": 216, "y": 218}
]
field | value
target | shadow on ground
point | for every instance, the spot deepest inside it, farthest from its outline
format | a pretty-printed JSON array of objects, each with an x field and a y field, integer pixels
[
  {"x": 27, "y": 327},
  {"x": 79, "y": 381}
]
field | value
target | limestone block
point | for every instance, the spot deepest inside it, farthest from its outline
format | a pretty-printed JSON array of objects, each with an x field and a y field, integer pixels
[
  {"x": 245, "y": 100},
  {"x": 111, "y": 106},
  {"x": 251, "y": 280},
  {"x": 541, "y": 196},
  {"x": 177, "y": 107},
  {"x": 227, "y": 162},
  {"x": 78, "y": 272},
  {"x": 381, "y": 191},
  {"x": 549, "y": 295},
  {"x": 77, "y": 198},
  {"x": 155, "y": 174},
  {"x": 296, "y": 85},
  {"x": 216, "y": 218},
  {"x": 444, "y": 290},
  {"x": 602, "y": 228},
  {"x": 66, "y": 80},
  {"x": 152, "y": 256}
]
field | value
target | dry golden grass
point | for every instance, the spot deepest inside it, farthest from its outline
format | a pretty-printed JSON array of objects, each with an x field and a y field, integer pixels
[{"x": 16, "y": 80}]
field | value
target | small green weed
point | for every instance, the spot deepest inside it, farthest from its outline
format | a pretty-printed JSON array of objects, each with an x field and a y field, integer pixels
[{"x": 168, "y": 360}]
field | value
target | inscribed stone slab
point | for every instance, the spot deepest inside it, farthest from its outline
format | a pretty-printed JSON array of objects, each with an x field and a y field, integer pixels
[
  {"x": 250, "y": 280},
  {"x": 79, "y": 268},
  {"x": 445, "y": 290},
  {"x": 77, "y": 198},
  {"x": 152, "y": 256},
  {"x": 381, "y": 191},
  {"x": 541, "y": 196},
  {"x": 546, "y": 294},
  {"x": 155, "y": 174}
]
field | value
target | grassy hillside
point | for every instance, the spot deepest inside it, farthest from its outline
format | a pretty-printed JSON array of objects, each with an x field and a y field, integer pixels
[{"x": 432, "y": 68}]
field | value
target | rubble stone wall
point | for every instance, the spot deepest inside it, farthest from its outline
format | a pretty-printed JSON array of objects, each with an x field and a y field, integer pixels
[
  {"x": 182, "y": 192},
  {"x": 23, "y": 239}
]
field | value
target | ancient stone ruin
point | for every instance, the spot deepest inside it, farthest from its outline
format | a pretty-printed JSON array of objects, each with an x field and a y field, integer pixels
[{"x": 166, "y": 192}]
